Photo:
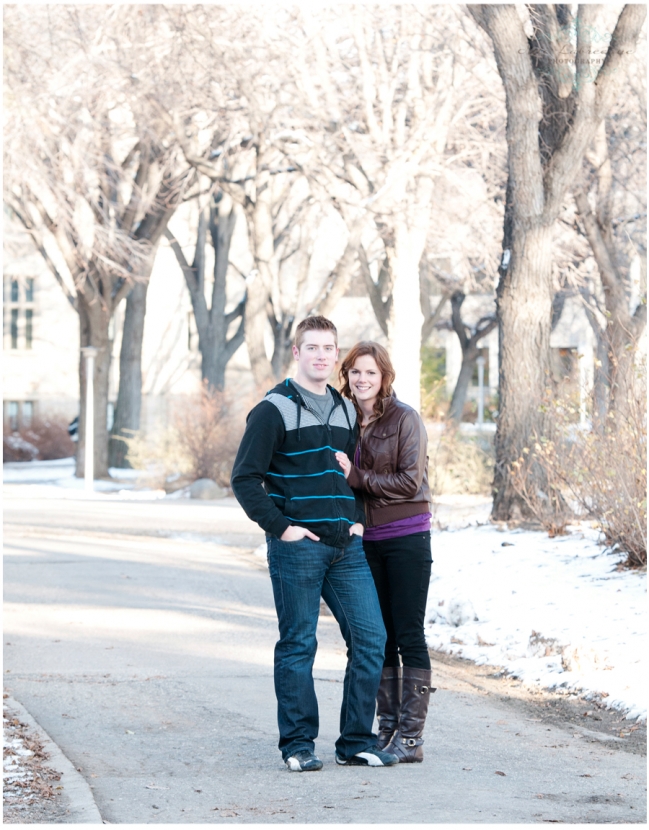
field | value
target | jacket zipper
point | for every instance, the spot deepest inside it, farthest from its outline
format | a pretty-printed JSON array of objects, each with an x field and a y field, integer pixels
[
  {"x": 329, "y": 433},
  {"x": 368, "y": 509}
]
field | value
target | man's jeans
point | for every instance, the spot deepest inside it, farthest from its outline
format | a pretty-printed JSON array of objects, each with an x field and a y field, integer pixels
[{"x": 302, "y": 572}]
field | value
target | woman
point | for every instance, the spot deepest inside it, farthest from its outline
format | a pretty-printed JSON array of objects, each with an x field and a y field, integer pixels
[{"x": 390, "y": 470}]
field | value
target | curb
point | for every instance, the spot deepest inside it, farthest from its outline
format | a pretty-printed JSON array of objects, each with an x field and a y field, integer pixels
[{"x": 83, "y": 809}]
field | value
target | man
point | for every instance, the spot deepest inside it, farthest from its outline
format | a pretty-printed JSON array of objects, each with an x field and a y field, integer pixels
[{"x": 287, "y": 479}]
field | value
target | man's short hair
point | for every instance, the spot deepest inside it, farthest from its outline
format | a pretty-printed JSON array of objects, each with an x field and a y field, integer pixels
[{"x": 314, "y": 324}]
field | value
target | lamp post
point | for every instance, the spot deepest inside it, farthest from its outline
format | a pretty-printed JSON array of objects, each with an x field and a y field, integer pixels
[
  {"x": 89, "y": 353},
  {"x": 480, "y": 361}
]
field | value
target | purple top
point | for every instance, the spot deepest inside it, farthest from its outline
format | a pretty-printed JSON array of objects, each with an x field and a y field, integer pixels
[{"x": 401, "y": 527}]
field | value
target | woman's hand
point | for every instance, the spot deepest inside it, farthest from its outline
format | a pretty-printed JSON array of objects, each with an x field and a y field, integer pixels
[
  {"x": 356, "y": 529},
  {"x": 344, "y": 462}
]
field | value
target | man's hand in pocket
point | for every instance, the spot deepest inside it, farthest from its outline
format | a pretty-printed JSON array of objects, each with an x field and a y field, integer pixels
[{"x": 293, "y": 533}]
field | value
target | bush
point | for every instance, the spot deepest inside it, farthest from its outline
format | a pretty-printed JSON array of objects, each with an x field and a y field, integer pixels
[
  {"x": 201, "y": 441},
  {"x": 592, "y": 474},
  {"x": 45, "y": 440},
  {"x": 461, "y": 464},
  {"x": 434, "y": 398}
]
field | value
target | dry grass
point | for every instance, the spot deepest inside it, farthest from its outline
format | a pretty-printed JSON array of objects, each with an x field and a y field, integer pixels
[
  {"x": 460, "y": 464},
  {"x": 598, "y": 475},
  {"x": 201, "y": 441}
]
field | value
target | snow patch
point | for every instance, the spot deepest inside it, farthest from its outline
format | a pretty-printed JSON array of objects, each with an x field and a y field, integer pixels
[{"x": 552, "y": 612}]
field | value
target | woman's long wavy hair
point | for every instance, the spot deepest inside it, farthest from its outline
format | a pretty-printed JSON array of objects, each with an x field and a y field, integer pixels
[{"x": 382, "y": 358}]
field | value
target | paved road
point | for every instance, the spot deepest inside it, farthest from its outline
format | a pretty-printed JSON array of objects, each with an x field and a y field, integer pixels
[{"x": 140, "y": 636}]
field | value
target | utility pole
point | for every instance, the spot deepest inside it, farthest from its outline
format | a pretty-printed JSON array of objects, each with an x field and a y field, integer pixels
[
  {"x": 89, "y": 353},
  {"x": 480, "y": 361}
]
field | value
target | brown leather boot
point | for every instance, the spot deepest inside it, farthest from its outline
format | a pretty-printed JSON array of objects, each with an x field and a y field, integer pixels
[
  {"x": 388, "y": 704},
  {"x": 407, "y": 741}
]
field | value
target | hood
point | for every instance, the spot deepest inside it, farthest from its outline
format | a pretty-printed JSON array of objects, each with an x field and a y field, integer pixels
[{"x": 289, "y": 390}]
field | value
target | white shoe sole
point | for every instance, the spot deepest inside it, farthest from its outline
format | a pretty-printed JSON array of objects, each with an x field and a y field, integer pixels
[
  {"x": 370, "y": 760},
  {"x": 294, "y": 765}
]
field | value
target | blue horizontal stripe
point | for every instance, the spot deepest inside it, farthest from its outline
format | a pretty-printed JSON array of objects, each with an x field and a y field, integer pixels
[
  {"x": 299, "y": 498},
  {"x": 319, "y": 520},
  {"x": 306, "y": 475},
  {"x": 302, "y": 498},
  {"x": 304, "y": 452}
]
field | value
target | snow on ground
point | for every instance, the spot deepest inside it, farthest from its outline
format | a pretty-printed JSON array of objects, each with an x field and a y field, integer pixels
[
  {"x": 552, "y": 612},
  {"x": 56, "y": 480}
]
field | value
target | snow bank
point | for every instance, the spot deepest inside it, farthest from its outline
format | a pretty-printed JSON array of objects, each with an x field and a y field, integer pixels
[
  {"x": 57, "y": 480},
  {"x": 22, "y": 472},
  {"x": 553, "y": 612}
]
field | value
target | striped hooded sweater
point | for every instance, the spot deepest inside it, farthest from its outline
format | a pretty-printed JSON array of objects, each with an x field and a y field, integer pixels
[{"x": 286, "y": 473}]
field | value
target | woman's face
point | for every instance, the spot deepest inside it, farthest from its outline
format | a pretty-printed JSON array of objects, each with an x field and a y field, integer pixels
[{"x": 365, "y": 379}]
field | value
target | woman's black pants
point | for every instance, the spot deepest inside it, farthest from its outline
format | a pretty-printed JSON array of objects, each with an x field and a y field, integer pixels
[{"x": 401, "y": 571}]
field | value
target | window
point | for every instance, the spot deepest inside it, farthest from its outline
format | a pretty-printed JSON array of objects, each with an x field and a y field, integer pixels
[
  {"x": 20, "y": 312},
  {"x": 12, "y": 415},
  {"x": 29, "y": 315},
  {"x": 14, "y": 328},
  {"x": 27, "y": 414}
]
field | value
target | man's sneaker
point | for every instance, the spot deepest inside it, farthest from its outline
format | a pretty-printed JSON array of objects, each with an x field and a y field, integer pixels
[
  {"x": 369, "y": 758},
  {"x": 303, "y": 761}
]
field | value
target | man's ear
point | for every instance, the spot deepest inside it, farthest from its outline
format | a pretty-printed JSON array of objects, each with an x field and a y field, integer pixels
[{"x": 296, "y": 352}]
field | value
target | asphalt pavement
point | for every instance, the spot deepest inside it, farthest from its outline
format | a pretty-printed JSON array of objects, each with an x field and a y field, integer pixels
[{"x": 140, "y": 636}]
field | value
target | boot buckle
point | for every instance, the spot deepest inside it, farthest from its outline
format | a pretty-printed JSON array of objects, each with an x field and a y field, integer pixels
[
  {"x": 423, "y": 690},
  {"x": 409, "y": 741}
]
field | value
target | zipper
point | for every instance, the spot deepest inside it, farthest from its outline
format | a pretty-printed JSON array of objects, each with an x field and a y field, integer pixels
[
  {"x": 330, "y": 434},
  {"x": 368, "y": 509}
]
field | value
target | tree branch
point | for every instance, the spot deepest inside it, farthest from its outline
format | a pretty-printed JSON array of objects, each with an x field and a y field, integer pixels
[
  {"x": 38, "y": 242},
  {"x": 381, "y": 309}
]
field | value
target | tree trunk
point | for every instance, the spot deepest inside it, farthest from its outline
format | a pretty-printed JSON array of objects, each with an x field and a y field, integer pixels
[
  {"x": 255, "y": 322},
  {"x": 94, "y": 321},
  {"x": 623, "y": 329},
  {"x": 601, "y": 373},
  {"x": 129, "y": 396},
  {"x": 538, "y": 179},
  {"x": 406, "y": 318},
  {"x": 456, "y": 407},
  {"x": 260, "y": 285},
  {"x": 524, "y": 304},
  {"x": 405, "y": 321},
  {"x": 211, "y": 323},
  {"x": 212, "y": 362}
]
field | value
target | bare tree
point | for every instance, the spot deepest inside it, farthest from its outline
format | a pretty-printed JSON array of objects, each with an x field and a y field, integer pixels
[
  {"x": 384, "y": 87},
  {"x": 217, "y": 222},
  {"x": 252, "y": 155},
  {"x": 552, "y": 118},
  {"x": 88, "y": 171},
  {"x": 616, "y": 232}
]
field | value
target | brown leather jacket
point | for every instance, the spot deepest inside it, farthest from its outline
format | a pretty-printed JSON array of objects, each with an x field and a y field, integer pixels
[{"x": 393, "y": 473}]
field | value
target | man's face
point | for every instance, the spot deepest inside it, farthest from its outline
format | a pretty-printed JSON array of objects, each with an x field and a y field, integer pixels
[{"x": 317, "y": 355}]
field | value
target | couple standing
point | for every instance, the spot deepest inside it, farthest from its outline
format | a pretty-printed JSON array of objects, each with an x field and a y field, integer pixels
[{"x": 339, "y": 483}]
